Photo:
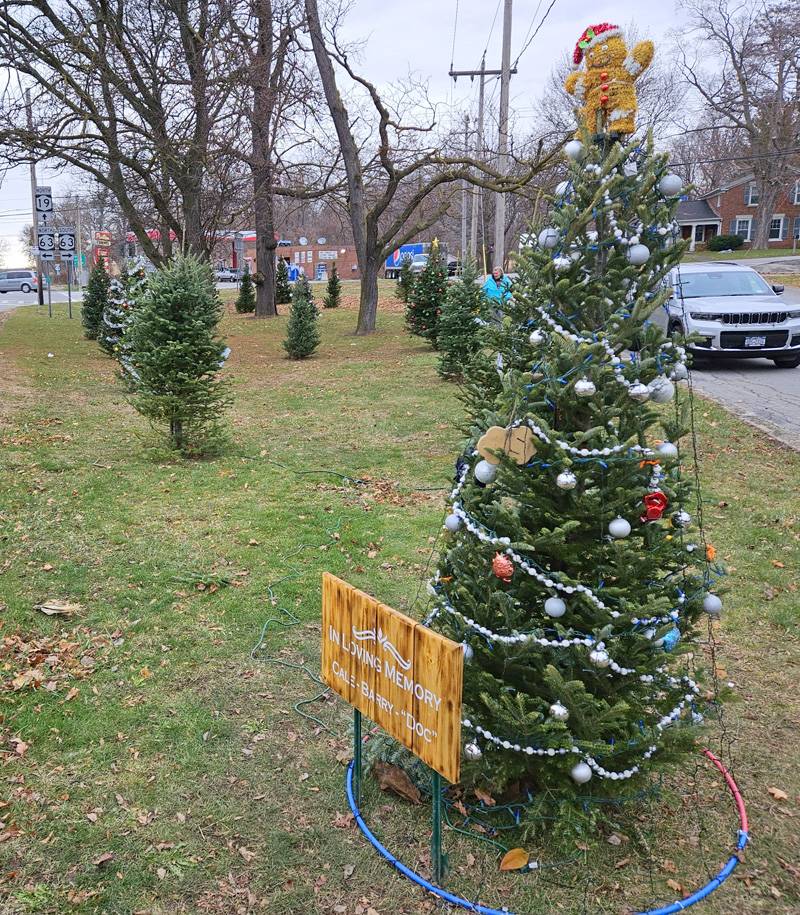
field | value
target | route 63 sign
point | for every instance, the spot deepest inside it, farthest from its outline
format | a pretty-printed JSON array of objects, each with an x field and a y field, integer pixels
[{"x": 66, "y": 240}]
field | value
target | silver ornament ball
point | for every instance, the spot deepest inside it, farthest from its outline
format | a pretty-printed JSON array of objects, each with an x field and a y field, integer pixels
[
  {"x": 638, "y": 254},
  {"x": 548, "y": 238},
  {"x": 585, "y": 388},
  {"x": 662, "y": 390},
  {"x": 562, "y": 189},
  {"x": 468, "y": 652},
  {"x": 452, "y": 522},
  {"x": 639, "y": 392},
  {"x": 599, "y": 658},
  {"x": 680, "y": 372},
  {"x": 536, "y": 337},
  {"x": 681, "y": 519},
  {"x": 555, "y": 607},
  {"x": 559, "y": 712},
  {"x": 619, "y": 528},
  {"x": 566, "y": 480},
  {"x": 581, "y": 773},
  {"x": 712, "y": 604},
  {"x": 667, "y": 450},
  {"x": 472, "y": 751},
  {"x": 485, "y": 472},
  {"x": 575, "y": 150},
  {"x": 670, "y": 185}
]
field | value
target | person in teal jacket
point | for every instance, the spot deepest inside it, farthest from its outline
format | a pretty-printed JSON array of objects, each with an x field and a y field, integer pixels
[{"x": 497, "y": 288}]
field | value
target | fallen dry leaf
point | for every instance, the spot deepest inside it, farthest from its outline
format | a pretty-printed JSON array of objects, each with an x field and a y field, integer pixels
[
  {"x": 484, "y": 796},
  {"x": 393, "y": 778},
  {"x": 674, "y": 885},
  {"x": 778, "y": 794},
  {"x": 103, "y": 859},
  {"x": 58, "y": 608},
  {"x": 246, "y": 853},
  {"x": 514, "y": 859}
]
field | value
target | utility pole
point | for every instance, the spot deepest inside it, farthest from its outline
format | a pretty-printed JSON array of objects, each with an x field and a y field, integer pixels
[
  {"x": 502, "y": 143},
  {"x": 79, "y": 271},
  {"x": 464, "y": 198},
  {"x": 39, "y": 290},
  {"x": 483, "y": 73}
]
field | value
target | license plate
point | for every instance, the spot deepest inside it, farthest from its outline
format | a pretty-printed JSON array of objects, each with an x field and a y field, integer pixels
[{"x": 755, "y": 341}]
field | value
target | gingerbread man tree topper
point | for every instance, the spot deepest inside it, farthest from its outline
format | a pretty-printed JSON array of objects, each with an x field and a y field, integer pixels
[{"x": 604, "y": 89}]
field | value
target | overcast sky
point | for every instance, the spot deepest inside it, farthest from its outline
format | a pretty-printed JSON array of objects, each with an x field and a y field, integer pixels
[{"x": 417, "y": 36}]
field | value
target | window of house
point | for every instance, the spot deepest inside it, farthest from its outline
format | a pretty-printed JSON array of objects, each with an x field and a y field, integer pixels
[
  {"x": 698, "y": 233},
  {"x": 796, "y": 229},
  {"x": 751, "y": 194},
  {"x": 775, "y": 228},
  {"x": 743, "y": 228},
  {"x": 796, "y": 196}
]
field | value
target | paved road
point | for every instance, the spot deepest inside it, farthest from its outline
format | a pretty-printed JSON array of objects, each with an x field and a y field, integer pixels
[
  {"x": 9, "y": 300},
  {"x": 756, "y": 391}
]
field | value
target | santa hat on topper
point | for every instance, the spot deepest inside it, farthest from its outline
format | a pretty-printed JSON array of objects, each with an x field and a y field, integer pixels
[{"x": 593, "y": 35}]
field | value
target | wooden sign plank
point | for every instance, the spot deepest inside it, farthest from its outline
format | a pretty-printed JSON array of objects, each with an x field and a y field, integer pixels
[{"x": 405, "y": 677}]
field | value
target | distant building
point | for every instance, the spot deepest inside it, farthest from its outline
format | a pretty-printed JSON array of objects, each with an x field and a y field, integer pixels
[{"x": 731, "y": 210}]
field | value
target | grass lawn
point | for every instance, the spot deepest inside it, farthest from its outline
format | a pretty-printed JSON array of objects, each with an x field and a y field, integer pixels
[{"x": 155, "y": 762}]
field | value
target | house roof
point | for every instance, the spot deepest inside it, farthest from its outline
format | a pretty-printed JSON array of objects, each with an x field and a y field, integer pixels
[
  {"x": 742, "y": 178},
  {"x": 695, "y": 211}
]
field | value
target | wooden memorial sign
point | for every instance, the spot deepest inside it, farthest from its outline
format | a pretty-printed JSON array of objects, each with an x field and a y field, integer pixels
[{"x": 405, "y": 677}]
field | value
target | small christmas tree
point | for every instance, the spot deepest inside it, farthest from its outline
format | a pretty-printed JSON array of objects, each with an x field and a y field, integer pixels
[
  {"x": 302, "y": 334},
  {"x": 283, "y": 290},
  {"x": 246, "y": 300},
  {"x": 175, "y": 355},
  {"x": 115, "y": 319},
  {"x": 405, "y": 282},
  {"x": 427, "y": 298},
  {"x": 574, "y": 573},
  {"x": 94, "y": 301},
  {"x": 333, "y": 296},
  {"x": 460, "y": 322}
]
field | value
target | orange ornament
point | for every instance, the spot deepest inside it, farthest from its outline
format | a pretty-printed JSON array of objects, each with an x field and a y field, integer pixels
[
  {"x": 502, "y": 567},
  {"x": 711, "y": 553}
]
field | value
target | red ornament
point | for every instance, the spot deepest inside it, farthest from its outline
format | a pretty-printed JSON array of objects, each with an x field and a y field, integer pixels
[
  {"x": 603, "y": 99},
  {"x": 654, "y": 504},
  {"x": 502, "y": 567}
]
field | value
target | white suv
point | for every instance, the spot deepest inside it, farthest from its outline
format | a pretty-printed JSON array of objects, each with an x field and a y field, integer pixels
[{"x": 734, "y": 312}]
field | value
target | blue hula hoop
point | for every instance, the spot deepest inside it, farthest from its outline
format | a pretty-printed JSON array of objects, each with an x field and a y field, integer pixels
[{"x": 671, "y": 909}]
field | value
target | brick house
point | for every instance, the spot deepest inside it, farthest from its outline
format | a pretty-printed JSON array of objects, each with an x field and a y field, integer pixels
[
  {"x": 731, "y": 210},
  {"x": 312, "y": 260}
]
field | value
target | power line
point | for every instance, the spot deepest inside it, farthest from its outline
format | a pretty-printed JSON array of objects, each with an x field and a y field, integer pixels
[
  {"x": 742, "y": 158},
  {"x": 491, "y": 29},
  {"x": 530, "y": 26},
  {"x": 536, "y": 32},
  {"x": 455, "y": 27}
]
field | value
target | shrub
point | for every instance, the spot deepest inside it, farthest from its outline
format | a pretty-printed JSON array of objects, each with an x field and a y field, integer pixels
[{"x": 725, "y": 243}]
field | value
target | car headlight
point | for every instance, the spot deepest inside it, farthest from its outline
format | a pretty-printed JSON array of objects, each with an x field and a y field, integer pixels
[{"x": 702, "y": 316}]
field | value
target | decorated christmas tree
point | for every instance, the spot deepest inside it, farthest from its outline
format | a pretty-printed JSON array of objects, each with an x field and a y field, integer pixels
[
  {"x": 302, "y": 333},
  {"x": 115, "y": 319},
  {"x": 95, "y": 301},
  {"x": 427, "y": 297},
  {"x": 134, "y": 279},
  {"x": 246, "y": 300},
  {"x": 463, "y": 315},
  {"x": 405, "y": 282},
  {"x": 283, "y": 290},
  {"x": 575, "y": 568},
  {"x": 333, "y": 293},
  {"x": 175, "y": 355}
]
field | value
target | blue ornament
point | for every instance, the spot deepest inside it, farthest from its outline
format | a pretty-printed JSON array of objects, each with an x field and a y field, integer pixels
[{"x": 672, "y": 638}]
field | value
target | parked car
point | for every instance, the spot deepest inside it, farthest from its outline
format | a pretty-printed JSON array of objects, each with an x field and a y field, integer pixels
[
  {"x": 418, "y": 263},
  {"x": 734, "y": 311},
  {"x": 226, "y": 275},
  {"x": 18, "y": 281}
]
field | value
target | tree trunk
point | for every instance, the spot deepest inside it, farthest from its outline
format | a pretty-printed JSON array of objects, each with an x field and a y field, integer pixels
[
  {"x": 768, "y": 198},
  {"x": 265, "y": 251},
  {"x": 368, "y": 304}
]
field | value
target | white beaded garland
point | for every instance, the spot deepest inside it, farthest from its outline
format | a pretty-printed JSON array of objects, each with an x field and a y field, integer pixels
[
  {"x": 581, "y": 773},
  {"x": 619, "y": 528},
  {"x": 555, "y": 607},
  {"x": 712, "y": 604},
  {"x": 485, "y": 472},
  {"x": 452, "y": 522},
  {"x": 566, "y": 480}
]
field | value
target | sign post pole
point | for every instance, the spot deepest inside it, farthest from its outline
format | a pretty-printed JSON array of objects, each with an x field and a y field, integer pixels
[
  {"x": 69, "y": 286},
  {"x": 357, "y": 754},
  {"x": 437, "y": 862},
  {"x": 49, "y": 291}
]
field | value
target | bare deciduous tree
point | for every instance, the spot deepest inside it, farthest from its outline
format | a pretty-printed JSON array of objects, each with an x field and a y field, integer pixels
[{"x": 744, "y": 62}]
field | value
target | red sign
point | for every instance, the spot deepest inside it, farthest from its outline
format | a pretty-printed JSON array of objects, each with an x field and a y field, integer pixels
[
  {"x": 102, "y": 253},
  {"x": 102, "y": 239}
]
